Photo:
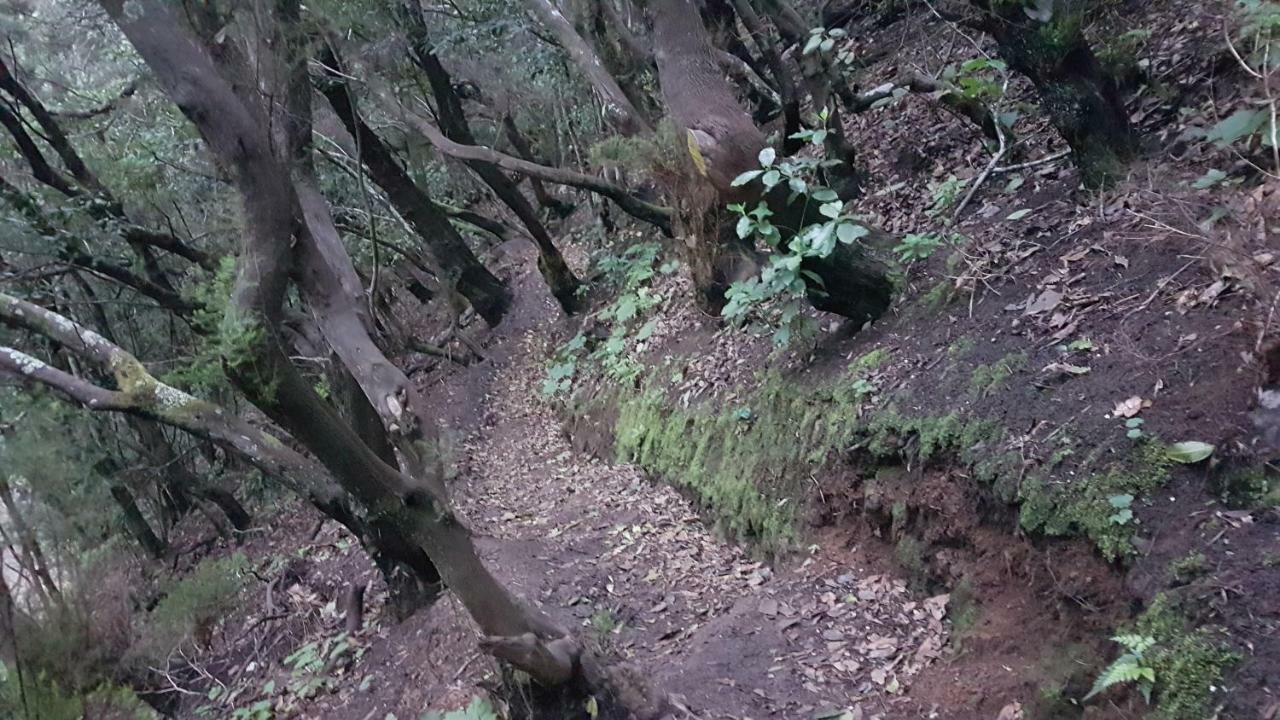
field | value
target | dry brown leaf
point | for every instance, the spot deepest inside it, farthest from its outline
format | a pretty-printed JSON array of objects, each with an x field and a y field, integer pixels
[{"x": 1128, "y": 408}]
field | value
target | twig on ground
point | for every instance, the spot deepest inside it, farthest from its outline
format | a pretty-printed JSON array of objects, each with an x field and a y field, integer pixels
[
  {"x": 995, "y": 160},
  {"x": 1032, "y": 163},
  {"x": 1266, "y": 326}
]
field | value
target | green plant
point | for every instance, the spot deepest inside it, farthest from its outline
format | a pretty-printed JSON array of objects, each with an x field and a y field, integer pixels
[
  {"x": 1188, "y": 568},
  {"x": 979, "y": 79},
  {"x": 562, "y": 367},
  {"x": 193, "y": 603},
  {"x": 945, "y": 194},
  {"x": 1131, "y": 667},
  {"x": 1133, "y": 428},
  {"x": 604, "y": 622},
  {"x": 824, "y": 41},
  {"x": 1123, "y": 506},
  {"x": 776, "y": 294},
  {"x": 921, "y": 246},
  {"x": 1258, "y": 38},
  {"x": 989, "y": 377},
  {"x": 312, "y": 665}
]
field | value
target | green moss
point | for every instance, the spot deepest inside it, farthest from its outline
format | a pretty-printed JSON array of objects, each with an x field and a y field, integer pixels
[
  {"x": 1188, "y": 568},
  {"x": 987, "y": 378},
  {"x": 939, "y": 296},
  {"x": 871, "y": 361},
  {"x": 1188, "y": 662},
  {"x": 1086, "y": 506},
  {"x": 960, "y": 348},
  {"x": 1252, "y": 487},
  {"x": 910, "y": 554}
]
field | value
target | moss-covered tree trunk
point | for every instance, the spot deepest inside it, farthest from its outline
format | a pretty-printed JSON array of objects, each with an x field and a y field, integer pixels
[
  {"x": 1083, "y": 101},
  {"x": 727, "y": 143}
]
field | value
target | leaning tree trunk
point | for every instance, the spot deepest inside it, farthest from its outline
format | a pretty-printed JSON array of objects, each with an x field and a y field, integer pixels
[
  {"x": 136, "y": 523},
  {"x": 728, "y": 144},
  {"x": 560, "y": 208},
  {"x": 721, "y": 137},
  {"x": 1081, "y": 99},
  {"x": 560, "y": 279},
  {"x": 235, "y": 132},
  {"x": 460, "y": 267},
  {"x": 619, "y": 109}
]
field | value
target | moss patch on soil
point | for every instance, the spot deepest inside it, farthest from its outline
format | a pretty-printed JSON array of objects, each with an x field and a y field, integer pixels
[
  {"x": 751, "y": 463},
  {"x": 1188, "y": 661},
  {"x": 1098, "y": 505}
]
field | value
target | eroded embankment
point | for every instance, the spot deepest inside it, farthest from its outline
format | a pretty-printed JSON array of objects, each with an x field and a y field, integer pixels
[{"x": 1032, "y": 545}]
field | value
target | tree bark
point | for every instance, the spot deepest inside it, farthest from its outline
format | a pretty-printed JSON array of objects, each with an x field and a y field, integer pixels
[
  {"x": 142, "y": 395},
  {"x": 781, "y": 76},
  {"x": 1081, "y": 99},
  {"x": 29, "y": 543},
  {"x": 618, "y": 107},
  {"x": 560, "y": 279},
  {"x": 459, "y": 266},
  {"x": 524, "y": 150},
  {"x": 136, "y": 523},
  {"x": 234, "y": 132},
  {"x": 702, "y": 103},
  {"x": 630, "y": 204}
]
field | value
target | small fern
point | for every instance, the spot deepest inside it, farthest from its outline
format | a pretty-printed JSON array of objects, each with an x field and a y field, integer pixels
[{"x": 1129, "y": 667}]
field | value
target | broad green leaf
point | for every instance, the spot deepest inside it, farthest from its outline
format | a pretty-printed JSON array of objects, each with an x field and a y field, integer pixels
[
  {"x": 746, "y": 177},
  {"x": 1189, "y": 451},
  {"x": 848, "y": 232},
  {"x": 1018, "y": 214},
  {"x": 771, "y": 178},
  {"x": 1120, "y": 501},
  {"x": 1237, "y": 126},
  {"x": 767, "y": 156},
  {"x": 831, "y": 209},
  {"x": 1209, "y": 179}
]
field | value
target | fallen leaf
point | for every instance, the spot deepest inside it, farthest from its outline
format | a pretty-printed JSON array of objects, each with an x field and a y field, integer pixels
[
  {"x": 1048, "y": 300},
  {"x": 1012, "y": 711},
  {"x": 1189, "y": 451},
  {"x": 769, "y": 607},
  {"x": 1128, "y": 408}
]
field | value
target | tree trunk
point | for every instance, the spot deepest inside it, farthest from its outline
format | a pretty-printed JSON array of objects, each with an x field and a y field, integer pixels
[
  {"x": 144, "y": 396},
  {"x": 702, "y": 103},
  {"x": 29, "y": 543},
  {"x": 781, "y": 76},
  {"x": 1080, "y": 98},
  {"x": 560, "y": 279},
  {"x": 523, "y": 149},
  {"x": 459, "y": 266},
  {"x": 235, "y": 133},
  {"x": 136, "y": 523},
  {"x": 230, "y": 507},
  {"x": 618, "y": 107}
]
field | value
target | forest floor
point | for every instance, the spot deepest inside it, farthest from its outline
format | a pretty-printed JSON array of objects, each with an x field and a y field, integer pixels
[
  {"x": 630, "y": 565},
  {"x": 1057, "y": 316}
]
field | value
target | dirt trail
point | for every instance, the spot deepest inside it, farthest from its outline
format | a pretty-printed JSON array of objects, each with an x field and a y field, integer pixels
[{"x": 628, "y": 561}]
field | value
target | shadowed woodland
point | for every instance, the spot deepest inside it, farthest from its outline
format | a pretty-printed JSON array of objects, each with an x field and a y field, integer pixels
[{"x": 594, "y": 359}]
